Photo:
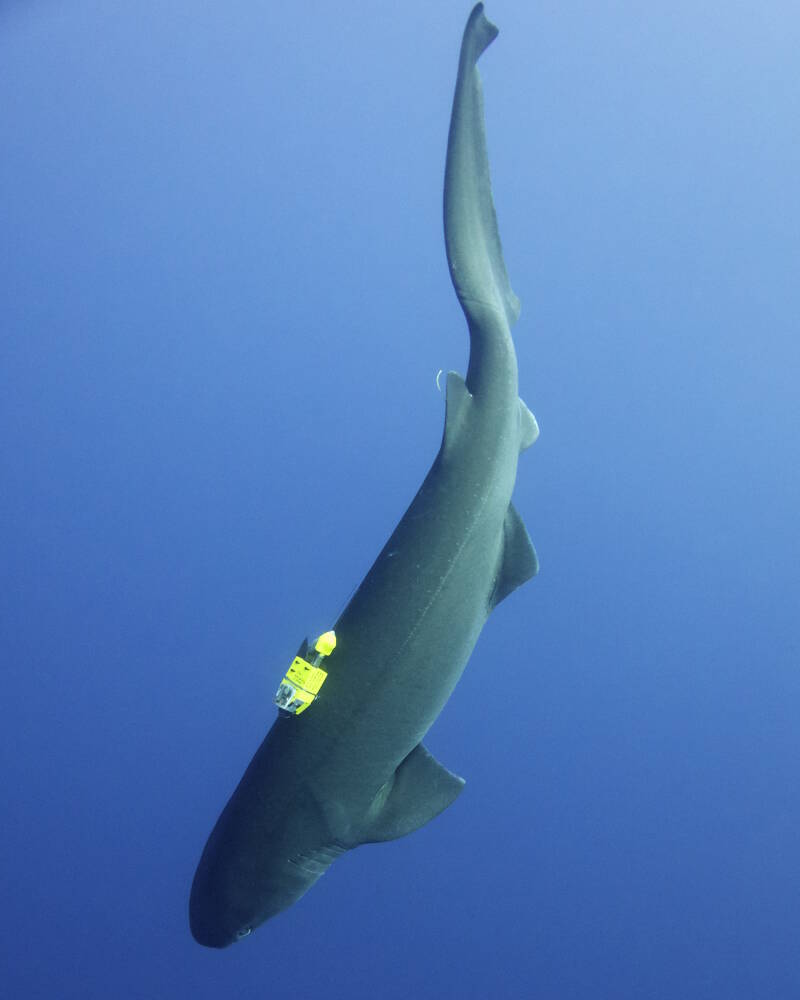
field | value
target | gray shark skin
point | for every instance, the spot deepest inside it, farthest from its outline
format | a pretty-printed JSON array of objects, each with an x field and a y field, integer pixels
[{"x": 351, "y": 769}]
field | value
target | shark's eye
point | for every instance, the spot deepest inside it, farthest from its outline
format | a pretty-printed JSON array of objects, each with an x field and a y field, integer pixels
[{"x": 243, "y": 933}]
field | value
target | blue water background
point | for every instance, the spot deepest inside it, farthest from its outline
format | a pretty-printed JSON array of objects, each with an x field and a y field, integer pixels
[{"x": 223, "y": 305}]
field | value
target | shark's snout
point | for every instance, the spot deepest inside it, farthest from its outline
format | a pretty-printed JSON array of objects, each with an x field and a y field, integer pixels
[{"x": 210, "y": 920}]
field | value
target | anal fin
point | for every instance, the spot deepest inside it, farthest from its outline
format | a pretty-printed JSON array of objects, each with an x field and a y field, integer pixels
[{"x": 528, "y": 428}]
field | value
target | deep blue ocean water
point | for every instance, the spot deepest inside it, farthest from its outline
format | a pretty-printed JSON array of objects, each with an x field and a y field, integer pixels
[{"x": 223, "y": 304}]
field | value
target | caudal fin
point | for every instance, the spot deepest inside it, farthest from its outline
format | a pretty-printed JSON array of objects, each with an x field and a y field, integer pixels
[{"x": 474, "y": 252}]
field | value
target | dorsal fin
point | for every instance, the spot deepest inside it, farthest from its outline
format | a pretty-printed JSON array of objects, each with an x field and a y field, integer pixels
[
  {"x": 457, "y": 405},
  {"x": 518, "y": 561},
  {"x": 419, "y": 790}
]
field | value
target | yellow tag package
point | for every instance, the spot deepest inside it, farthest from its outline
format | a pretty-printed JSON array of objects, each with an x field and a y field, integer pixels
[{"x": 304, "y": 678}]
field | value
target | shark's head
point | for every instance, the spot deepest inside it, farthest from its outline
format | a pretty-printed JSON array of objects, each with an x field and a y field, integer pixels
[
  {"x": 230, "y": 898},
  {"x": 217, "y": 921},
  {"x": 214, "y": 934},
  {"x": 231, "y": 894}
]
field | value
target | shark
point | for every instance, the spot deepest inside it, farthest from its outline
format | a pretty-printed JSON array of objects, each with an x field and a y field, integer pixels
[{"x": 344, "y": 763}]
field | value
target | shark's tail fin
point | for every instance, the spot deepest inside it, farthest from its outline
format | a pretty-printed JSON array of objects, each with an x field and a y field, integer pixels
[{"x": 473, "y": 245}]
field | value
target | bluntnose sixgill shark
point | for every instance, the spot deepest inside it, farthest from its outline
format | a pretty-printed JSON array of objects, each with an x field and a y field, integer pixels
[{"x": 346, "y": 766}]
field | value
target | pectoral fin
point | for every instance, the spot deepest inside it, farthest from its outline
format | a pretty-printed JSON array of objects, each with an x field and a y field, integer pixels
[{"x": 420, "y": 790}]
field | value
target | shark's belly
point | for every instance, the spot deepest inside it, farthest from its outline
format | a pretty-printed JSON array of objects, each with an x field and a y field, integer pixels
[{"x": 402, "y": 645}]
